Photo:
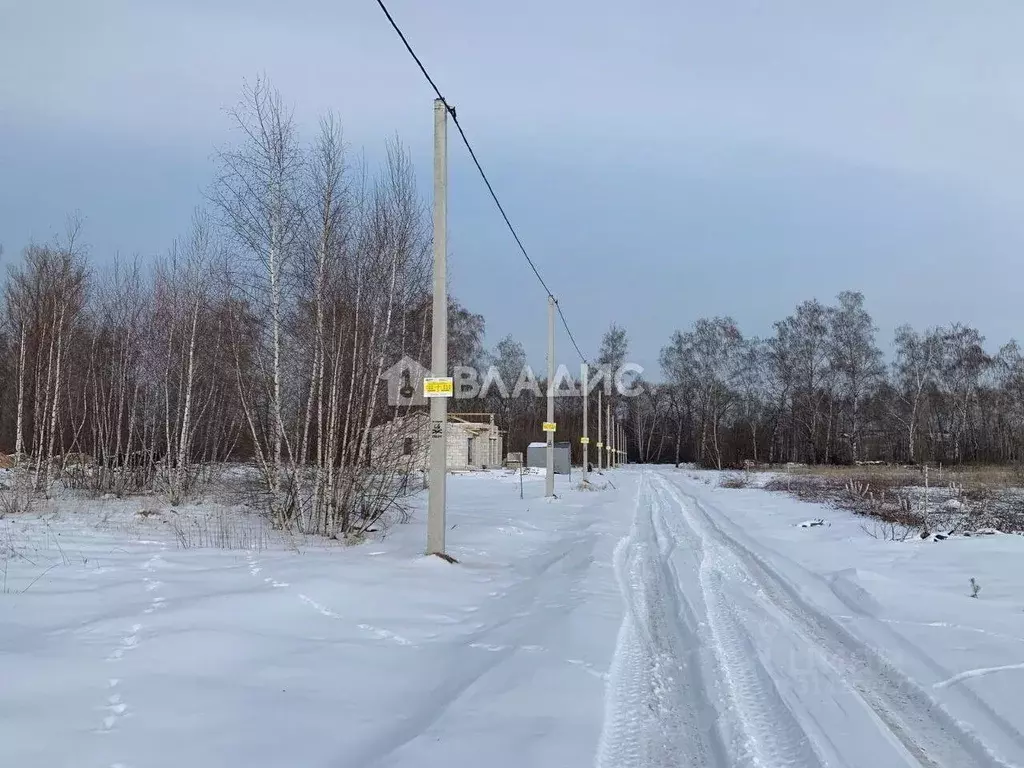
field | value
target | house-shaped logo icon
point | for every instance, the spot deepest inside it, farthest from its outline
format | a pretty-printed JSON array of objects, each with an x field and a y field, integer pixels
[{"x": 405, "y": 382}]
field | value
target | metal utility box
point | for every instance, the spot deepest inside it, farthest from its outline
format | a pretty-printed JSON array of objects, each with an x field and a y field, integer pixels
[{"x": 537, "y": 456}]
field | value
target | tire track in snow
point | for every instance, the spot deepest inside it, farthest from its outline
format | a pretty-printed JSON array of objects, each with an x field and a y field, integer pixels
[
  {"x": 657, "y": 713},
  {"x": 928, "y": 734},
  {"x": 772, "y": 735},
  {"x": 764, "y": 731}
]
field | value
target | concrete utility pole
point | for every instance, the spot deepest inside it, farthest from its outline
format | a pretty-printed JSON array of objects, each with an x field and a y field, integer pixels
[
  {"x": 608, "y": 421},
  {"x": 549, "y": 483},
  {"x": 609, "y": 443},
  {"x": 600, "y": 430},
  {"x": 586, "y": 434},
  {"x": 614, "y": 441},
  {"x": 439, "y": 338}
]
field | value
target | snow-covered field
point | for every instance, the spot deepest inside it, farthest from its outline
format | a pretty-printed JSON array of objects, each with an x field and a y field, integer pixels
[{"x": 665, "y": 622}]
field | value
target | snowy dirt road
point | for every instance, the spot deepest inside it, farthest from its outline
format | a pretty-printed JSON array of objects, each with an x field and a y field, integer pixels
[
  {"x": 661, "y": 622},
  {"x": 721, "y": 661}
]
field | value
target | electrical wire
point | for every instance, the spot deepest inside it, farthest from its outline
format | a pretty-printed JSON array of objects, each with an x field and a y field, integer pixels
[{"x": 483, "y": 175}]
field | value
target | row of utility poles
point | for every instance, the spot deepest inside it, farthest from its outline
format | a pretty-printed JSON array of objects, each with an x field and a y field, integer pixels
[
  {"x": 438, "y": 387},
  {"x": 610, "y": 450}
]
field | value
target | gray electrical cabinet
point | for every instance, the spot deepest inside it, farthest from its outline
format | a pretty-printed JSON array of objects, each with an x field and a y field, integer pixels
[{"x": 537, "y": 456}]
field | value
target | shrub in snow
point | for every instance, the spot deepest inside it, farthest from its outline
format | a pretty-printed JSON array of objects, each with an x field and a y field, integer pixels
[
  {"x": 889, "y": 530},
  {"x": 16, "y": 494},
  {"x": 735, "y": 481},
  {"x": 857, "y": 491},
  {"x": 975, "y": 588},
  {"x": 813, "y": 523}
]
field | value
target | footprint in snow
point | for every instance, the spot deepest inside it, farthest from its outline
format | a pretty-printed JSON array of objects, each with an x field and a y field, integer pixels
[
  {"x": 489, "y": 647},
  {"x": 588, "y": 668},
  {"x": 128, "y": 642},
  {"x": 386, "y": 634},
  {"x": 254, "y": 567},
  {"x": 117, "y": 710},
  {"x": 156, "y": 605},
  {"x": 323, "y": 610}
]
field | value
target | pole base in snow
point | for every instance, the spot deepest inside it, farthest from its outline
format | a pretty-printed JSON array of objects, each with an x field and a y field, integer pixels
[{"x": 446, "y": 557}]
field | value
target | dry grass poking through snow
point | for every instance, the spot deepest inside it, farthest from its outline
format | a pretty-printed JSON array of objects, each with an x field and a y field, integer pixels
[
  {"x": 218, "y": 528},
  {"x": 952, "y": 500}
]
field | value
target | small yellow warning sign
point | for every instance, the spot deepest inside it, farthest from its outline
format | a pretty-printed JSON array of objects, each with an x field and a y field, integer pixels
[
  {"x": 549, "y": 426},
  {"x": 585, "y": 440},
  {"x": 438, "y": 386}
]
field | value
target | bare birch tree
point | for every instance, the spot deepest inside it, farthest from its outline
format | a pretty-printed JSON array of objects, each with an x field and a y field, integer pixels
[{"x": 257, "y": 196}]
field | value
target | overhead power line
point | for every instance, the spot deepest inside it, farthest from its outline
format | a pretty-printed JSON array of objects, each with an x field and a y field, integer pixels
[{"x": 483, "y": 175}]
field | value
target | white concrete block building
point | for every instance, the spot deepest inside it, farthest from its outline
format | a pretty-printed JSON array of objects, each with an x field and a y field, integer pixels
[{"x": 474, "y": 441}]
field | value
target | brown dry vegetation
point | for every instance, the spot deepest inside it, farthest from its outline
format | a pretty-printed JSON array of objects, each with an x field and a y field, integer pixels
[{"x": 956, "y": 499}]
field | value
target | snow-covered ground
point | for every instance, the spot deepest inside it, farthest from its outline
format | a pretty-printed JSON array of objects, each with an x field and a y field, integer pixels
[
  {"x": 752, "y": 640},
  {"x": 117, "y": 647},
  {"x": 665, "y": 622}
]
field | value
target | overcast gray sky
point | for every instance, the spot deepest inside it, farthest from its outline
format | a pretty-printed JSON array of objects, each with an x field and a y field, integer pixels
[{"x": 662, "y": 160}]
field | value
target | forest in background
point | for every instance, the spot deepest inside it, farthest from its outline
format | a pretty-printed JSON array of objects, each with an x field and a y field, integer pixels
[{"x": 262, "y": 334}]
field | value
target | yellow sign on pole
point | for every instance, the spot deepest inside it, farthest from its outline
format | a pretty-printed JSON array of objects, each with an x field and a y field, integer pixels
[
  {"x": 600, "y": 445},
  {"x": 549, "y": 426},
  {"x": 584, "y": 440},
  {"x": 438, "y": 386}
]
